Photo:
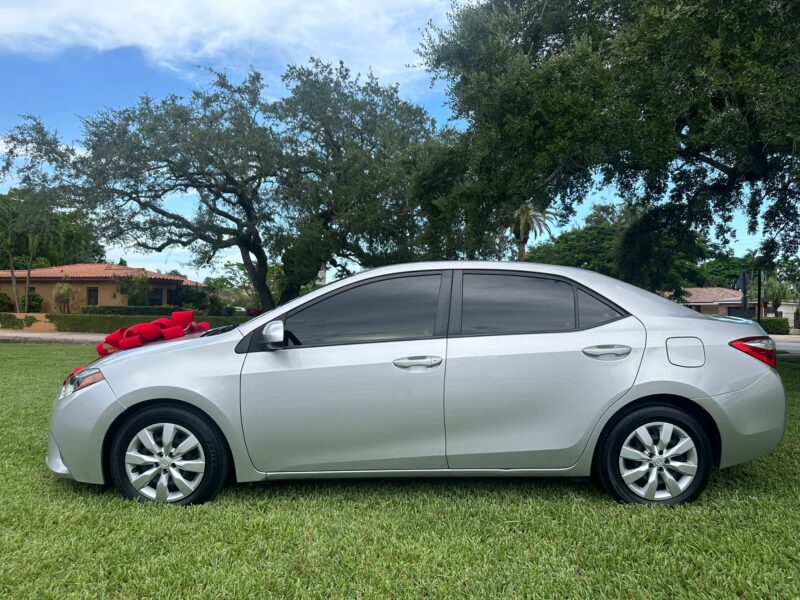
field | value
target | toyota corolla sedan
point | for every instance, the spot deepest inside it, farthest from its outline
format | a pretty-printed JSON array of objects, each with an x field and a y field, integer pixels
[{"x": 433, "y": 369}]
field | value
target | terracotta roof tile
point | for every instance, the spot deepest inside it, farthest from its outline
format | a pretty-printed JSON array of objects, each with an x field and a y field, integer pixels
[
  {"x": 95, "y": 271},
  {"x": 711, "y": 295}
]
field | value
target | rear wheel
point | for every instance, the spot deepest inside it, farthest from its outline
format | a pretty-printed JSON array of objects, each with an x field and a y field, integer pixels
[
  {"x": 168, "y": 454},
  {"x": 655, "y": 455}
]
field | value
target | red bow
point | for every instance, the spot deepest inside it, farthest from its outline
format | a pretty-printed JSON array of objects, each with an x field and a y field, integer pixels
[{"x": 125, "y": 338}]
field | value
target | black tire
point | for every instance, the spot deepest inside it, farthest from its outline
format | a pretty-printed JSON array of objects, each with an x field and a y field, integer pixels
[
  {"x": 214, "y": 451},
  {"x": 607, "y": 465}
]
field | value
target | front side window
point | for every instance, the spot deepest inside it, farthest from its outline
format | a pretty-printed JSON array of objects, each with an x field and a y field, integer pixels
[
  {"x": 499, "y": 304},
  {"x": 386, "y": 310},
  {"x": 92, "y": 296}
]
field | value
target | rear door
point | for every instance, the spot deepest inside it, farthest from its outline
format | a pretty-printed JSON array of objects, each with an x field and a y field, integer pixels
[{"x": 532, "y": 363}]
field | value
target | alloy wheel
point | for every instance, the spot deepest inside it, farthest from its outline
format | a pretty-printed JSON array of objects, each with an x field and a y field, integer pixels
[
  {"x": 165, "y": 462},
  {"x": 658, "y": 461}
]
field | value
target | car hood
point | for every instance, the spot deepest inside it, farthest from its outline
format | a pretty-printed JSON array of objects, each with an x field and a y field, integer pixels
[{"x": 183, "y": 344}]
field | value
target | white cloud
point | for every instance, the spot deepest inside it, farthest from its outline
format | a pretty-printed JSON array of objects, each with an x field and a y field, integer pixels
[{"x": 381, "y": 34}]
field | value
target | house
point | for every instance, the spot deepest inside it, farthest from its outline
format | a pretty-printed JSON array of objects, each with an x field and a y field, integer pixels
[
  {"x": 718, "y": 301},
  {"x": 94, "y": 284}
]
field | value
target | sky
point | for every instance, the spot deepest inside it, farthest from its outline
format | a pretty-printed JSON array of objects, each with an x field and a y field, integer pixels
[{"x": 63, "y": 59}]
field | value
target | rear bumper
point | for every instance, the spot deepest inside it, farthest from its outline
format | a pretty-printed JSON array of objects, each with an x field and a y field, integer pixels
[
  {"x": 751, "y": 421},
  {"x": 77, "y": 429}
]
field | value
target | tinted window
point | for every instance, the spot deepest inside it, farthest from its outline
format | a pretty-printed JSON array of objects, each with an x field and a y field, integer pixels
[
  {"x": 592, "y": 311},
  {"x": 516, "y": 304},
  {"x": 391, "y": 309}
]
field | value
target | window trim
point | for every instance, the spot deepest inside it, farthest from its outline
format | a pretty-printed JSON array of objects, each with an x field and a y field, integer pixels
[
  {"x": 439, "y": 324},
  {"x": 457, "y": 302}
]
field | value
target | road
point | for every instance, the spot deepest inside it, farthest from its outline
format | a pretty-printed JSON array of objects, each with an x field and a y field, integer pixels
[{"x": 787, "y": 343}]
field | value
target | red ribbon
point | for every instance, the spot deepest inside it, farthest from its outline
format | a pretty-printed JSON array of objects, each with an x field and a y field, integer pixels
[{"x": 125, "y": 338}]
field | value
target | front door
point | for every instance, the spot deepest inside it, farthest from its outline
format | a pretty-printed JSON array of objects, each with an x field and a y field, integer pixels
[
  {"x": 359, "y": 385},
  {"x": 532, "y": 364}
]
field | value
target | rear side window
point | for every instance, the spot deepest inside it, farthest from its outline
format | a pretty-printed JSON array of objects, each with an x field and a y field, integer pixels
[
  {"x": 497, "y": 304},
  {"x": 390, "y": 309},
  {"x": 592, "y": 311}
]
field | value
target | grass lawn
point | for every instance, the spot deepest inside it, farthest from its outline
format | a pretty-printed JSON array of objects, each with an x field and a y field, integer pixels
[{"x": 391, "y": 538}]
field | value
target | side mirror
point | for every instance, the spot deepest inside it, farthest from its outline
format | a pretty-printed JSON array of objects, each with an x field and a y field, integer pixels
[{"x": 273, "y": 335}]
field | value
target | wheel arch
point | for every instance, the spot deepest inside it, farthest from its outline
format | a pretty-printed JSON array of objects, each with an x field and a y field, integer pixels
[
  {"x": 705, "y": 419},
  {"x": 160, "y": 402}
]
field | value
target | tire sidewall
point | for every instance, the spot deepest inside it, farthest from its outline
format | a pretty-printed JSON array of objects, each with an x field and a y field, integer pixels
[
  {"x": 609, "y": 460},
  {"x": 210, "y": 440}
]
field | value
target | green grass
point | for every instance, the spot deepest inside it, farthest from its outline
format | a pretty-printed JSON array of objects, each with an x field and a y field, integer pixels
[{"x": 391, "y": 538}]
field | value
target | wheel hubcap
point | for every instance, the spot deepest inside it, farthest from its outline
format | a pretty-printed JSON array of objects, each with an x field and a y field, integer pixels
[
  {"x": 658, "y": 461},
  {"x": 165, "y": 462}
]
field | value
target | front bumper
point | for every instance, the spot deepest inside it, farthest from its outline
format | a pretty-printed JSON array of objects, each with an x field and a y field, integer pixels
[
  {"x": 77, "y": 429},
  {"x": 751, "y": 421}
]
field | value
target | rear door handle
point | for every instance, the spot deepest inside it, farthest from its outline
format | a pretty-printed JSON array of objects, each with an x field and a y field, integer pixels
[
  {"x": 426, "y": 362},
  {"x": 607, "y": 351}
]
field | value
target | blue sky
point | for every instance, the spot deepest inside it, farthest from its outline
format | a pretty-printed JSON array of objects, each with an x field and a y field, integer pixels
[{"x": 61, "y": 59}]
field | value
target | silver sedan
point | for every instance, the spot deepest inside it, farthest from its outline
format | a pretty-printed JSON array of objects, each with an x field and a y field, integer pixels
[{"x": 433, "y": 369}]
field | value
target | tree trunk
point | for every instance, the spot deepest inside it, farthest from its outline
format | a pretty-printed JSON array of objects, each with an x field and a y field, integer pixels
[
  {"x": 28, "y": 283},
  {"x": 13, "y": 280},
  {"x": 258, "y": 276}
]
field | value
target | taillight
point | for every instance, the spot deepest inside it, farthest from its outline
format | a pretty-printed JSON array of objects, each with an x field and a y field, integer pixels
[{"x": 761, "y": 347}]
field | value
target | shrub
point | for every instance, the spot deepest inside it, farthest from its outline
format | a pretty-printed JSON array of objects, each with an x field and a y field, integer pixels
[
  {"x": 6, "y": 304},
  {"x": 63, "y": 295},
  {"x": 107, "y": 323},
  {"x": 34, "y": 302},
  {"x": 10, "y": 321},
  {"x": 157, "y": 311},
  {"x": 775, "y": 325}
]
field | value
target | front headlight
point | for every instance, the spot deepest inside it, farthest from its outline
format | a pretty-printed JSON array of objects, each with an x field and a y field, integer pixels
[{"x": 81, "y": 379}]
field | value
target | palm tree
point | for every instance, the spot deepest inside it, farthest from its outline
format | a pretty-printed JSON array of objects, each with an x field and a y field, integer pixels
[
  {"x": 775, "y": 292},
  {"x": 529, "y": 220}
]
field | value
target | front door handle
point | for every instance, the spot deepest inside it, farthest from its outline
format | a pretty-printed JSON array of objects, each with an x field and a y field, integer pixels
[
  {"x": 607, "y": 351},
  {"x": 425, "y": 362}
]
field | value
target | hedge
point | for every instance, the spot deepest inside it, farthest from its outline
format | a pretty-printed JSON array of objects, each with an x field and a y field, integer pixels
[
  {"x": 109, "y": 323},
  {"x": 11, "y": 321},
  {"x": 154, "y": 311},
  {"x": 775, "y": 325}
]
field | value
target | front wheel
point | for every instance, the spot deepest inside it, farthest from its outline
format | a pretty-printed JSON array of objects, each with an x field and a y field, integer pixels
[
  {"x": 168, "y": 454},
  {"x": 655, "y": 455}
]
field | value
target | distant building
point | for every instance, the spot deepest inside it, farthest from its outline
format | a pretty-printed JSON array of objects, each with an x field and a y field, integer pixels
[
  {"x": 718, "y": 301},
  {"x": 94, "y": 284}
]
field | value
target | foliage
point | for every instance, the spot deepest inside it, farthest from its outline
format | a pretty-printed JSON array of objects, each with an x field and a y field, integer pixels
[
  {"x": 632, "y": 245},
  {"x": 319, "y": 178},
  {"x": 775, "y": 325},
  {"x": 63, "y": 295},
  {"x": 352, "y": 147},
  {"x": 776, "y": 292},
  {"x": 691, "y": 108},
  {"x": 528, "y": 220},
  {"x": 34, "y": 302},
  {"x": 81, "y": 323},
  {"x": 153, "y": 311},
  {"x": 11, "y": 321},
  {"x": 398, "y": 538},
  {"x": 135, "y": 288},
  {"x": 6, "y": 304}
]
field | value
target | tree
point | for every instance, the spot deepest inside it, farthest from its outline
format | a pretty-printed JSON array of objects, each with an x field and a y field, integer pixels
[
  {"x": 136, "y": 288},
  {"x": 630, "y": 244},
  {"x": 218, "y": 148},
  {"x": 527, "y": 221},
  {"x": 352, "y": 148},
  {"x": 10, "y": 239},
  {"x": 775, "y": 293},
  {"x": 694, "y": 108},
  {"x": 63, "y": 295}
]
